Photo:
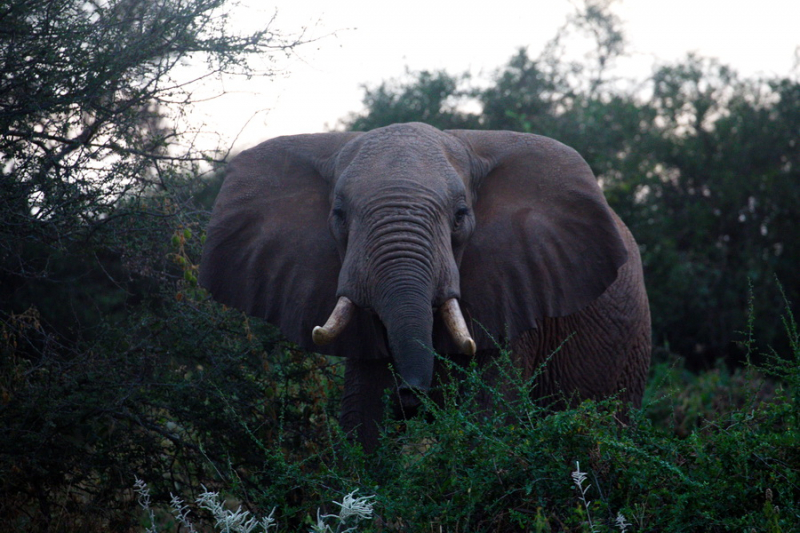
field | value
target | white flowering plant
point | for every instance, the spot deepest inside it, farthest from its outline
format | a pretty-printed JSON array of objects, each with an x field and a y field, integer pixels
[
  {"x": 578, "y": 479},
  {"x": 353, "y": 509}
]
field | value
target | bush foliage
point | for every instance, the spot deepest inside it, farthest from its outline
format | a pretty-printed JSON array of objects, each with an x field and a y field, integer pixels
[{"x": 726, "y": 462}]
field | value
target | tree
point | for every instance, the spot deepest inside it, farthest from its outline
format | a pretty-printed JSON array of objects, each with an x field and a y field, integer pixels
[
  {"x": 720, "y": 204},
  {"x": 431, "y": 97},
  {"x": 112, "y": 364},
  {"x": 91, "y": 102}
]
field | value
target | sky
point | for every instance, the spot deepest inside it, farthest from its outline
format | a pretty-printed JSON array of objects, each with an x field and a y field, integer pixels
[{"x": 358, "y": 42}]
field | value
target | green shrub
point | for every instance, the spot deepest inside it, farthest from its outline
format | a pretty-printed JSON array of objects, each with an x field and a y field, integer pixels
[
  {"x": 177, "y": 390},
  {"x": 713, "y": 452}
]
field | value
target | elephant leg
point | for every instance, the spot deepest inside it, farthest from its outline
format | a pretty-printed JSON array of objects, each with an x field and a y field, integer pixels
[
  {"x": 365, "y": 381},
  {"x": 634, "y": 374}
]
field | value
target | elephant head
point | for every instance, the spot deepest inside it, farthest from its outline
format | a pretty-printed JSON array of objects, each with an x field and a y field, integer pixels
[{"x": 381, "y": 235}]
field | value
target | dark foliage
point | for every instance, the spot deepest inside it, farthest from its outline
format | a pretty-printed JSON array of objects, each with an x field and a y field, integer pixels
[
  {"x": 432, "y": 98},
  {"x": 715, "y": 452},
  {"x": 112, "y": 364}
]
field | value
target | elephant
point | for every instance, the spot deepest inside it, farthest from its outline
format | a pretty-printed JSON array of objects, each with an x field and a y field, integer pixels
[{"x": 389, "y": 246}]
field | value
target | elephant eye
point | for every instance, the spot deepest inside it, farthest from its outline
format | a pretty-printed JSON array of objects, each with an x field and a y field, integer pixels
[
  {"x": 460, "y": 216},
  {"x": 339, "y": 214}
]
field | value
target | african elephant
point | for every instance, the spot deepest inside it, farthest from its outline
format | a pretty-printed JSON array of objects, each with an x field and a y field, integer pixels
[{"x": 407, "y": 239}]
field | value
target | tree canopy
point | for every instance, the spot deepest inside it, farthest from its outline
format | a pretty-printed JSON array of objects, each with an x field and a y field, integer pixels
[
  {"x": 92, "y": 97},
  {"x": 102, "y": 184}
]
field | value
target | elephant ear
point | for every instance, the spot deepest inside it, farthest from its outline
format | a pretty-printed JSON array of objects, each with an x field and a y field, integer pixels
[
  {"x": 268, "y": 250},
  {"x": 546, "y": 243}
]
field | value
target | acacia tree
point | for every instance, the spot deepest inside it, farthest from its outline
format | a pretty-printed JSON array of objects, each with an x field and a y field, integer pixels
[
  {"x": 91, "y": 99},
  {"x": 108, "y": 368}
]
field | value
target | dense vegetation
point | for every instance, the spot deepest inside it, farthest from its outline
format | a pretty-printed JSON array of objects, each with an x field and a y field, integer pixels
[{"x": 115, "y": 365}]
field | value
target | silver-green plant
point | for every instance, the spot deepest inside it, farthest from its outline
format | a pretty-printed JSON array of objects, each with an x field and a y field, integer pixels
[
  {"x": 237, "y": 521},
  {"x": 143, "y": 497},
  {"x": 352, "y": 510},
  {"x": 578, "y": 478},
  {"x": 358, "y": 508},
  {"x": 622, "y": 523},
  {"x": 181, "y": 512}
]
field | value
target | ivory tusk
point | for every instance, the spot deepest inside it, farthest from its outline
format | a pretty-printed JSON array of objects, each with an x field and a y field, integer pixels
[
  {"x": 336, "y": 323},
  {"x": 454, "y": 320}
]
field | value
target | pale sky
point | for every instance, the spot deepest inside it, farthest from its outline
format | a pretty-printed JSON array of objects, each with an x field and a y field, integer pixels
[{"x": 366, "y": 41}]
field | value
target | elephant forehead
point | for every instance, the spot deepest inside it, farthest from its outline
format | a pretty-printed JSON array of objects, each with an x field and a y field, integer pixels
[
  {"x": 403, "y": 187},
  {"x": 408, "y": 150}
]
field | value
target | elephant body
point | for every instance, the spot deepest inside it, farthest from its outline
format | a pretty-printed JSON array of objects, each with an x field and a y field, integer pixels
[
  {"x": 421, "y": 240},
  {"x": 555, "y": 352},
  {"x": 620, "y": 356}
]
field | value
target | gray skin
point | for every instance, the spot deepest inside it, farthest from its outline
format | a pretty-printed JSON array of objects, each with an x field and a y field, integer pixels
[{"x": 399, "y": 220}]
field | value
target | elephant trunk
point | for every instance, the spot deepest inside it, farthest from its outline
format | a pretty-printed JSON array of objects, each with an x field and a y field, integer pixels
[{"x": 408, "y": 318}]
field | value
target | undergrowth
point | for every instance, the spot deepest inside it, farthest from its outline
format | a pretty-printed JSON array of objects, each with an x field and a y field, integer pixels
[{"x": 714, "y": 452}]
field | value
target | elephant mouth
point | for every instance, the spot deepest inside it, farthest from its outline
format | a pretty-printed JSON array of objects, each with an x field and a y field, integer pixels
[
  {"x": 407, "y": 403},
  {"x": 450, "y": 312}
]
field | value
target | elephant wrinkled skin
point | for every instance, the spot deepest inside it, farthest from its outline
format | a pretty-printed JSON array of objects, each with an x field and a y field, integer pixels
[{"x": 427, "y": 240}]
